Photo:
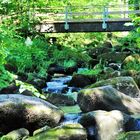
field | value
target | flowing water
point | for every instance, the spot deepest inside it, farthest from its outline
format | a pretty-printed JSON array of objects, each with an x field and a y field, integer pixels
[{"x": 59, "y": 84}]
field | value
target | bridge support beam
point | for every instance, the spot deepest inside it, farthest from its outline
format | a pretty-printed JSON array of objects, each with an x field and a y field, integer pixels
[{"x": 58, "y": 27}]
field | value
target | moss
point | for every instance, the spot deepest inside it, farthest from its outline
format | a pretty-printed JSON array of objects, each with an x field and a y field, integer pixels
[
  {"x": 133, "y": 135},
  {"x": 65, "y": 131},
  {"x": 16, "y": 134},
  {"x": 71, "y": 109},
  {"x": 112, "y": 81},
  {"x": 25, "y": 86},
  {"x": 113, "y": 56},
  {"x": 40, "y": 130}
]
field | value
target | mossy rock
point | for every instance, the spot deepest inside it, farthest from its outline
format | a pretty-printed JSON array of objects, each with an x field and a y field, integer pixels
[
  {"x": 137, "y": 79},
  {"x": 19, "y": 111},
  {"x": 113, "y": 56},
  {"x": 64, "y": 132},
  {"x": 82, "y": 80},
  {"x": 132, "y": 58},
  {"x": 132, "y": 135},
  {"x": 40, "y": 130},
  {"x": 95, "y": 52},
  {"x": 124, "y": 84},
  {"x": 16, "y": 134},
  {"x": 107, "y": 98},
  {"x": 132, "y": 62},
  {"x": 28, "y": 89},
  {"x": 60, "y": 99}
]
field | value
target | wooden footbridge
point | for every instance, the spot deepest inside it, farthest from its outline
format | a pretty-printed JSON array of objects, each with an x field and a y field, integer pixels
[{"x": 92, "y": 18}]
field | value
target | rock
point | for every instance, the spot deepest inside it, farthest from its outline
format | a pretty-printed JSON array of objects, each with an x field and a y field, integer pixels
[
  {"x": 115, "y": 74},
  {"x": 40, "y": 130},
  {"x": 55, "y": 69},
  {"x": 60, "y": 99},
  {"x": 27, "y": 93},
  {"x": 81, "y": 80},
  {"x": 137, "y": 79},
  {"x": 108, "y": 124},
  {"x": 22, "y": 76},
  {"x": 126, "y": 85},
  {"x": 133, "y": 73},
  {"x": 11, "y": 68},
  {"x": 107, "y": 98},
  {"x": 95, "y": 52},
  {"x": 60, "y": 69},
  {"x": 115, "y": 57},
  {"x": 130, "y": 73},
  {"x": 129, "y": 50},
  {"x": 132, "y": 123},
  {"x": 108, "y": 70},
  {"x": 16, "y": 134},
  {"x": 64, "y": 132},
  {"x": 93, "y": 62},
  {"x": 12, "y": 88},
  {"x": 107, "y": 44},
  {"x": 133, "y": 135},
  {"x": 39, "y": 83},
  {"x": 17, "y": 111},
  {"x": 115, "y": 66},
  {"x": 71, "y": 70},
  {"x": 132, "y": 58},
  {"x": 28, "y": 89}
]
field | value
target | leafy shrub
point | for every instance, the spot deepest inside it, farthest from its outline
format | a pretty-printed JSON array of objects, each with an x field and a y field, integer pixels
[
  {"x": 133, "y": 65},
  {"x": 97, "y": 70}
]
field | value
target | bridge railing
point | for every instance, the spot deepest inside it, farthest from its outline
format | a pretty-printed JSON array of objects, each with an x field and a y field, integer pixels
[
  {"x": 84, "y": 14},
  {"x": 70, "y": 13},
  {"x": 93, "y": 12}
]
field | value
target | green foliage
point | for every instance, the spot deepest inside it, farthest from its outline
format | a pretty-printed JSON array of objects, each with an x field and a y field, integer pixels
[
  {"x": 25, "y": 86},
  {"x": 97, "y": 70},
  {"x": 69, "y": 63},
  {"x": 134, "y": 65},
  {"x": 133, "y": 38},
  {"x": 69, "y": 49},
  {"x": 5, "y": 77},
  {"x": 132, "y": 135}
]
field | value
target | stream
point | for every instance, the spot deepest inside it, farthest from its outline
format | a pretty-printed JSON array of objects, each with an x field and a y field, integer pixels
[
  {"x": 59, "y": 85},
  {"x": 72, "y": 114}
]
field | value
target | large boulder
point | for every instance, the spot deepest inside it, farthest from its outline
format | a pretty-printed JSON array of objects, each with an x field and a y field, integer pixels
[
  {"x": 107, "y": 98},
  {"x": 107, "y": 124},
  {"x": 125, "y": 84},
  {"x": 17, "y": 111},
  {"x": 64, "y": 132}
]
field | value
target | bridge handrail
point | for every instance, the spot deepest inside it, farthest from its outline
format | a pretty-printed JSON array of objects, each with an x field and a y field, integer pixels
[
  {"x": 73, "y": 13},
  {"x": 89, "y": 13}
]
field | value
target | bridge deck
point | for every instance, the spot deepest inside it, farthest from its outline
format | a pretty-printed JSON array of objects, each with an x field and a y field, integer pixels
[{"x": 85, "y": 26}]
